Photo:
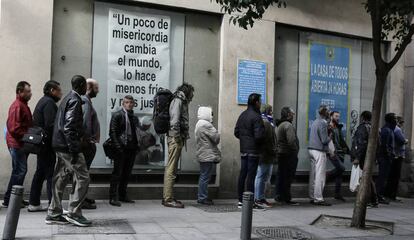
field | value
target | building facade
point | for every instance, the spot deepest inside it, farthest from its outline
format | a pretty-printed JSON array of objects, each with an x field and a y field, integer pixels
[{"x": 299, "y": 56}]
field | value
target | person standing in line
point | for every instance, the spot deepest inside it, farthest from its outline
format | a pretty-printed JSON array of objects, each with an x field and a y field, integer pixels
[
  {"x": 386, "y": 155},
  {"x": 176, "y": 138},
  {"x": 123, "y": 133},
  {"x": 250, "y": 131},
  {"x": 92, "y": 130},
  {"x": 267, "y": 158},
  {"x": 44, "y": 117},
  {"x": 19, "y": 121},
  {"x": 391, "y": 188},
  {"x": 318, "y": 148},
  {"x": 71, "y": 165},
  {"x": 341, "y": 148},
  {"x": 288, "y": 149},
  {"x": 359, "y": 150},
  {"x": 207, "y": 138}
]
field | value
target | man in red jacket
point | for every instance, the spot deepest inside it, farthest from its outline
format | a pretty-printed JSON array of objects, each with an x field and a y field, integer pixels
[{"x": 18, "y": 122}]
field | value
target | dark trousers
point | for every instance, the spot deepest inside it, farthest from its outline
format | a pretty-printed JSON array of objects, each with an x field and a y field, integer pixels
[
  {"x": 287, "y": 164},
  {"x": 373, "y": 193},
  {"x": 19, "y": 170},
  {"x": 394, "y": 176},
  {"x": 336, "y": 173},
  {"x": 120, "y": 175},
  {"x": 46, "y": 161},
  {"x": 247, "y": 175},
  {"x": 384, "y": 166},
  {"x": 89, "y": 153}
]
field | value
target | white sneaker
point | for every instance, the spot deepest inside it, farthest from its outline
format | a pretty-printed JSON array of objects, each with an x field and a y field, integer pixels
[
  {"x": 65, "y": 212},
  {"x": 240, "y": 205},
  {"x": 38, "y": 208}
]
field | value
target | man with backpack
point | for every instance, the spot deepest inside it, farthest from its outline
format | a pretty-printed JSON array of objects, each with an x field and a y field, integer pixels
[{"x": 177, "y": 121}]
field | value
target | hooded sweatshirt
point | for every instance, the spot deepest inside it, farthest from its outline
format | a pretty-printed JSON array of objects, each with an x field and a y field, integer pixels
[{"x": 207, "y": 137}]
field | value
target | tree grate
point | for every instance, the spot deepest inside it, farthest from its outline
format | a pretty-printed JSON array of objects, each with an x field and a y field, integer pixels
[
  {"x": 282, "y": 233},
  {"x": 99, "y": 226}
]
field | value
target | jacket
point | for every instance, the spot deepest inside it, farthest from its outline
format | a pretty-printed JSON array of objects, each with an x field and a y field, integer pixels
[
  {"x": 288, "y": 142},
  {"x": 360, "y": 143},
  {"x": 90, "y": 121},
  {"x": 319, "y": 138},
  {"x": 68, "y": 126},
  {"x": 207, "y": 137},
  {"x": 117, "y": 130},
  {"x": 341, "y": 148},
  {"x": 44, "y": 116},
  {"x": 400, "y": 142},
  {"x": 19, "y": 121},
  {"x": 387, "y": 142},
  {"x": 179, "y": 125},
  {"x": 250, "y": 131},
  {"x": 269, "y": 145}
]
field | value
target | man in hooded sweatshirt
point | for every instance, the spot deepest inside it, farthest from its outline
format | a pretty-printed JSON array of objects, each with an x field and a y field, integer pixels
[
  {"x": 267, "y": 158},
  {"x": 207, "y": 138}
]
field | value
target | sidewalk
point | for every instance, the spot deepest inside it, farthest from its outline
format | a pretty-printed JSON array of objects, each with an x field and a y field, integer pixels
[{"x": 148, "y": 220}]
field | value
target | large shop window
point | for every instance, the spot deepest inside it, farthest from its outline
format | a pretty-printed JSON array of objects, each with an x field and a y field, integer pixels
[{"x": 313, "y": 69}]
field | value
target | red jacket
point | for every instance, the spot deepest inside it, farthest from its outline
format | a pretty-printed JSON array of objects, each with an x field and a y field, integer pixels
[{"x": 18, "y": 122}]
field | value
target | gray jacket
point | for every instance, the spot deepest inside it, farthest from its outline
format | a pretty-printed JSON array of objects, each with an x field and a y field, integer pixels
[
  {"x": 90, "y": 121},
  {"x": 207, "y": 138},
  {"x": 287, "y": 140},
  {"x": 179, "y": 116},
  {"x": 319, "y": 138}
]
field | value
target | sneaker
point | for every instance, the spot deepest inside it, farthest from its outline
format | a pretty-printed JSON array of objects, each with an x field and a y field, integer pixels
[
  {"x": 38, "y": 208},
  {"x": 258, "y": 207},
  {"x": 173, "y": 204},
  {"x": 56, "y": 220},
  {"x": 80, "y": 221},
  {"x": 240, "y": 205},
  {"x": 263, "y": 203},
  {"x": 205, "y": 202},
  {"x": 321, "y": 203},
  {"x": 115, "y": 203},
  {"x": 87, "y": 205},
  {"x": 382, "y": 200},
  {"x": 65, "y": 212},
  {"x": 340, "y": 198},
  {"x": 292, "y": 203}
]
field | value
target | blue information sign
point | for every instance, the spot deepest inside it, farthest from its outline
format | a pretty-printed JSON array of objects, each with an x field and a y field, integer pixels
[
  {"x": 329, "y": 79},
  {"x": 251, "y": 78}
]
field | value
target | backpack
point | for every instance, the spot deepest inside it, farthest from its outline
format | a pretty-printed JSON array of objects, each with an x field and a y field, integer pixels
[{"x": 161, "y": 114}]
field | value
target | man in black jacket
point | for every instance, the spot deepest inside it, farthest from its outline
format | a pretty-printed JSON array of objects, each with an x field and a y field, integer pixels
[
  {"x": 44, "y": 117},
  {"x": 123, "y": 133},
  {"x": 250, "y": 131},
  {"x": 67, "y": 138}
]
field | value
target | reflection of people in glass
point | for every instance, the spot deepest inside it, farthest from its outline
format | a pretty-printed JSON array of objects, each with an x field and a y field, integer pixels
[{"x": 151, "y": 151}]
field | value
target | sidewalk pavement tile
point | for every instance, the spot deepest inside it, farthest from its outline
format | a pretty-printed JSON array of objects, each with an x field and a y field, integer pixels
[
  {"x": 186, "y": 234},
  {"x": 154, "y": 237}
]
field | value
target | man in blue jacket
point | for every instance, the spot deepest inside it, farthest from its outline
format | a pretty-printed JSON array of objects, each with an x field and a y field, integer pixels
[{"x": 250, "y": 131}]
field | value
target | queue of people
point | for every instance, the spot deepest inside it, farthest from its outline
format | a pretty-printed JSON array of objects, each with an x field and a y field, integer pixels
[{"x": 71, "y": 131}]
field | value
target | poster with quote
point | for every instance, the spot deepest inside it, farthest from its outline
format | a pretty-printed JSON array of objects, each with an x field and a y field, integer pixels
[
  {"x": 251, "y": 78},
  {"x": 329, "y": 80}
]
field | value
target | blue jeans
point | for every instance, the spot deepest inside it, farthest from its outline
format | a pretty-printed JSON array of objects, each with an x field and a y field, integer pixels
[
  {"x": 264, "y": 173},
  {"x": 205, "y": 175},
  {"x": 336, "y": 173},
  {"x": 19, "y": 170},
  {"x": 247, "y": 175}
]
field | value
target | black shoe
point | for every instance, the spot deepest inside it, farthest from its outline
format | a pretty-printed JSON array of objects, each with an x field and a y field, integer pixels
[
  {"x": 372, "y": 205},
  {"x": 25, "y": 203},
  {"x": 173, "y": 204},
  {"x": 292, "y": 203},
  {"x": 382, "y": 200},
  {"x": 88, "y": 205},
  {"x": 205, "y": 202},
  {"x": 88, "y": 200},
  {"x": 115, "y": 203},
  {"x": 80, "y": 221},
  {"x": 126, "y": 200},
  {"x": 56, "y": 220},
  {"x": 258, "y": 207},
  {"x": 321, "y": 203},
  {"x": 340, "y": 198},
  {"x": 397, "y": 200},
  {"x": 4, "y": 205}
]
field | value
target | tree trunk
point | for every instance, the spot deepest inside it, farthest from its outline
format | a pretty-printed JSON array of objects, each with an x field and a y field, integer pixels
[{"x": 358, "y": 218}]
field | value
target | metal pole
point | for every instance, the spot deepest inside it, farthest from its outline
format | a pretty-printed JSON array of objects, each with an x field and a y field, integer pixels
[
  {"x": 13, "y": 212},
  {"x": 247, "y": 214}
]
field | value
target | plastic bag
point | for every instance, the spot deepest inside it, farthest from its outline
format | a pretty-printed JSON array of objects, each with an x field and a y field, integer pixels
[{"x": 356, "y": 174}]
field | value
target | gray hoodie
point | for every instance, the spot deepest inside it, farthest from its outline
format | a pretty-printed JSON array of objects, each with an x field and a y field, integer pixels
[
  {"x": 207, "y": 138},
  {"x": 319, "y": 138}
]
